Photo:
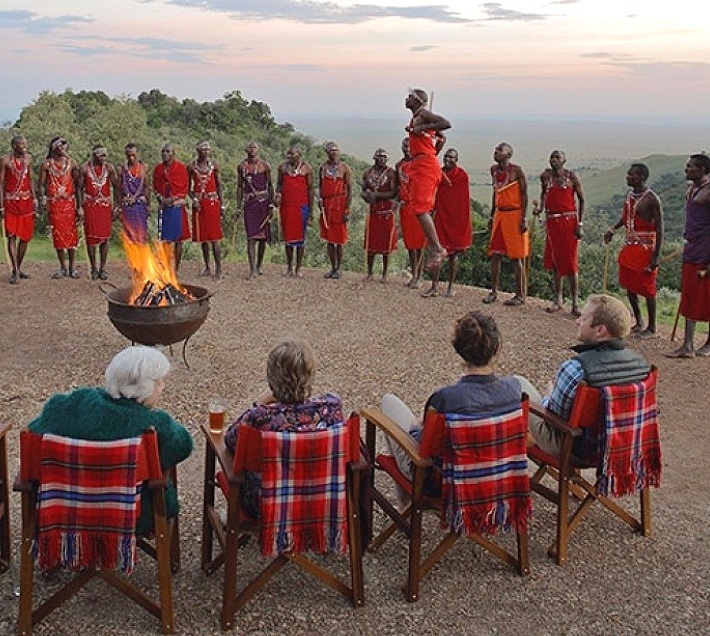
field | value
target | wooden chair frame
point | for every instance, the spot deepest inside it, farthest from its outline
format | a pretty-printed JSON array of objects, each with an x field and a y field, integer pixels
[
  {"x": 165, "y": 546},
  {"x": 233, "y": 535},
  {"x": 566, "y": 471},
  {"x": 409, "y": 521},
  {"x": 5, "y": 555}
]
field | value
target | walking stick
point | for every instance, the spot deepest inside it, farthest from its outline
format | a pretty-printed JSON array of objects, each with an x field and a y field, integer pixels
[
  {"x": 82, "y": 236},
  {"x": 675, "y": 322},
  {"x": 528, "y": 258},
  {"x": 6, "y": 249},
  {"x": 606, "y": 266}
]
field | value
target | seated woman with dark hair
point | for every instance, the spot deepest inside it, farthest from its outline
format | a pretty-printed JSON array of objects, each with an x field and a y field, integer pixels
[
  {"x": 124, "y": 408},
  {"x": 288, "y": 406},
  {"x": 478, "y": 342}
]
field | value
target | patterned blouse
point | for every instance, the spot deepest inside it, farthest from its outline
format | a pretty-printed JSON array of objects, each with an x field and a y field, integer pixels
[{"x": 315, "y": 414}]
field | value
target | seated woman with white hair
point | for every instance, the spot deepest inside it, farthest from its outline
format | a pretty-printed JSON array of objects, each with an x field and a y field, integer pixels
[{"x": 125, "y": 408}]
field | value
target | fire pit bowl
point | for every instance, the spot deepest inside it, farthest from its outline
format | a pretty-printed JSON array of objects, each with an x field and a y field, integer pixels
[{"x": 157, "y": 325}]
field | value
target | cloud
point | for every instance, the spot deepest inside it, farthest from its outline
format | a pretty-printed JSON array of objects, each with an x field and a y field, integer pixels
[
  {"x": 311, "y": 12},
  {"x": 424, "y": 47},
  {"x": 146, "y": 48},
  {"x": 33, "y": 23},
  {"x": 496, "y": 11}
]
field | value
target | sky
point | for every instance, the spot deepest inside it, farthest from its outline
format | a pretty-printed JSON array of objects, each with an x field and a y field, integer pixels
[{"x": 588, "y": 59}]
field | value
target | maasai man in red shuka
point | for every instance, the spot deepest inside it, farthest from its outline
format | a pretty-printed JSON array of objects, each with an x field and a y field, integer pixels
[
  {"x": 563, "y": 225},
  {"x": 335, "y": 194},
  {"x": 509, "y": 231},
  {"x": 294, "y": 197},
  {"x": 255, "y": 198},
  {"x": 18, "y": 204},
  {"x": 695, "y": 284},
  {"x": 207, "y": 206},
  {"x": 412, "y": 232},
  {"x": 452, "y": 218},
  {"x": 97, "y": 179},
  {"x": 379, "y": 188},
  {"x": 171, "y": 185},
  {"x": 642, "y": 216},
  {"x": 425, "y": 142},
  {"x": 59, "y": 186}
]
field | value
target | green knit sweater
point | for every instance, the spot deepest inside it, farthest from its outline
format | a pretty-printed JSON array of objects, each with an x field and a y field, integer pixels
[{"x": 92, "y": 414}]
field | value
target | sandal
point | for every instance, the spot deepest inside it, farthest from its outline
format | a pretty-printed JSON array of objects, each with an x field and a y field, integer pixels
[
  {"x": 680, "y": 353},
  {"x": 703, "y": 352},
  {"x": 60, "y": 273},
  {"x": 491, "y": 298},
  {"x": 576, "y": 312},
  {"x": 514, "y": 301},
  {"x": 553, "y": 308},
  {"x": 429, "y": 293}
]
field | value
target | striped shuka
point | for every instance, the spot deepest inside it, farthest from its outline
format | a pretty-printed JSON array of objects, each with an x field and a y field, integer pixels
[
  {"x": 485, "y": 484},
  {"x": 303, "y": 503},
  {"x": 88, "y": 504},
  {"x": 629, "y": 440}
]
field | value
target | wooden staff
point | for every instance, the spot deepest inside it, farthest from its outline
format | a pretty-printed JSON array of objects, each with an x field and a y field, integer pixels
[
  {"x": 82, "y": 237},
  {"x": 6, "y": 249},
  {"x": 528, "y": 258},
  {"x": 606, "y": 266},
  {"x": 677, "y": 319}
]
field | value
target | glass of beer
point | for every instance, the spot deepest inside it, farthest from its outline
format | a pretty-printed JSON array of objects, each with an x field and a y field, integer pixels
[{"x": 218, "y": 410}]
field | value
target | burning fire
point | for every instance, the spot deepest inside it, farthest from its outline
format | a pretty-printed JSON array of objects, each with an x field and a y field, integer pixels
[{"x": 155, "y": 282}]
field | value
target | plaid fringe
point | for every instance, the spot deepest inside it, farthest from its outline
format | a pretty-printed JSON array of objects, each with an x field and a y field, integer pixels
[
  {"x": 88, "y": 504},
  {"x": 303, "y": 501},
  {"x": 486, "y": 487},
  {"x": 629, "y": 441}
]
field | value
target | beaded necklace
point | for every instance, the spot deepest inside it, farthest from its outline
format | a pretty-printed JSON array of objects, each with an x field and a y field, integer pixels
[
  {"x": 19, "y": 168},
  {"x": 203, "y": 176},
  {"x": 98, "y": 180}
]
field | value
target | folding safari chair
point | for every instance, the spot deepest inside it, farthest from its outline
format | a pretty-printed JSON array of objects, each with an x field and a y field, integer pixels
[
  {"x": 80, "y": 502},
  {"x": 4, "y": 501},
  {"x": 484, "y": 484},
  {"x": 298, "y": 470},
  {"x": 613, "y": 430}
]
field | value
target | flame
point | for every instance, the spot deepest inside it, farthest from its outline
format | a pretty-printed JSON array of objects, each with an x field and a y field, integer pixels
[{"x": 150, "y": 263}]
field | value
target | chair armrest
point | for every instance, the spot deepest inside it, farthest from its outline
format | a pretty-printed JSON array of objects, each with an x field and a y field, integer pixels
[
  {"x": 23, "y": 486},
  {"x": 225, "y": 457},
  {"x": 4, "y": 428},
  {"x": 554, "y": 420},
  {"x": 375, "y": 417}
]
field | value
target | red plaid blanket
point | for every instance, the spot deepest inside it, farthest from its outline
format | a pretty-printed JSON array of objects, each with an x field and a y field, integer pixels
[
  {"x": 629, "y": 441},
  {"x": 88, "y": 504},
  {"x": 484, "y": 475},
  {"x": 303, "y": 503}
]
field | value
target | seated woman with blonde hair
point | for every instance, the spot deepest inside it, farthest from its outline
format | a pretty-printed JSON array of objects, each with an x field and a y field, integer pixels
[
  {"x": 287, "y": 407},
  {"x": 135, "y": 379}
]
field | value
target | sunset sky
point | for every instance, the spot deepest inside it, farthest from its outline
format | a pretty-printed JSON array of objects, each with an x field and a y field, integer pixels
[{"x": 594, "y": 59}]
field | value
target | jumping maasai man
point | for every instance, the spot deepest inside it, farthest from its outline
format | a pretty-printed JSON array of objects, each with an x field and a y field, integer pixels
[
  {"x": 18, "y": 204},
  {"x": 379, "y": 187},
  {"x": 255, "y": 199},
  {"x": 98, "y": 179},
  {"x": 294, "y": 197},
  {"x": 509, "y": 232},
  {"x": 425, "y": 142},
  {"x": 334, "y": 196},
  {"x": 171, "y": 185},
  {"x": 207, "y": 206},
  {"x": 59, "y": 190}
]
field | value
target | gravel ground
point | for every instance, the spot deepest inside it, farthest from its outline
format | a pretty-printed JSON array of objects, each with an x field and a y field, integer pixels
[{"x": 368, "y": 339}]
